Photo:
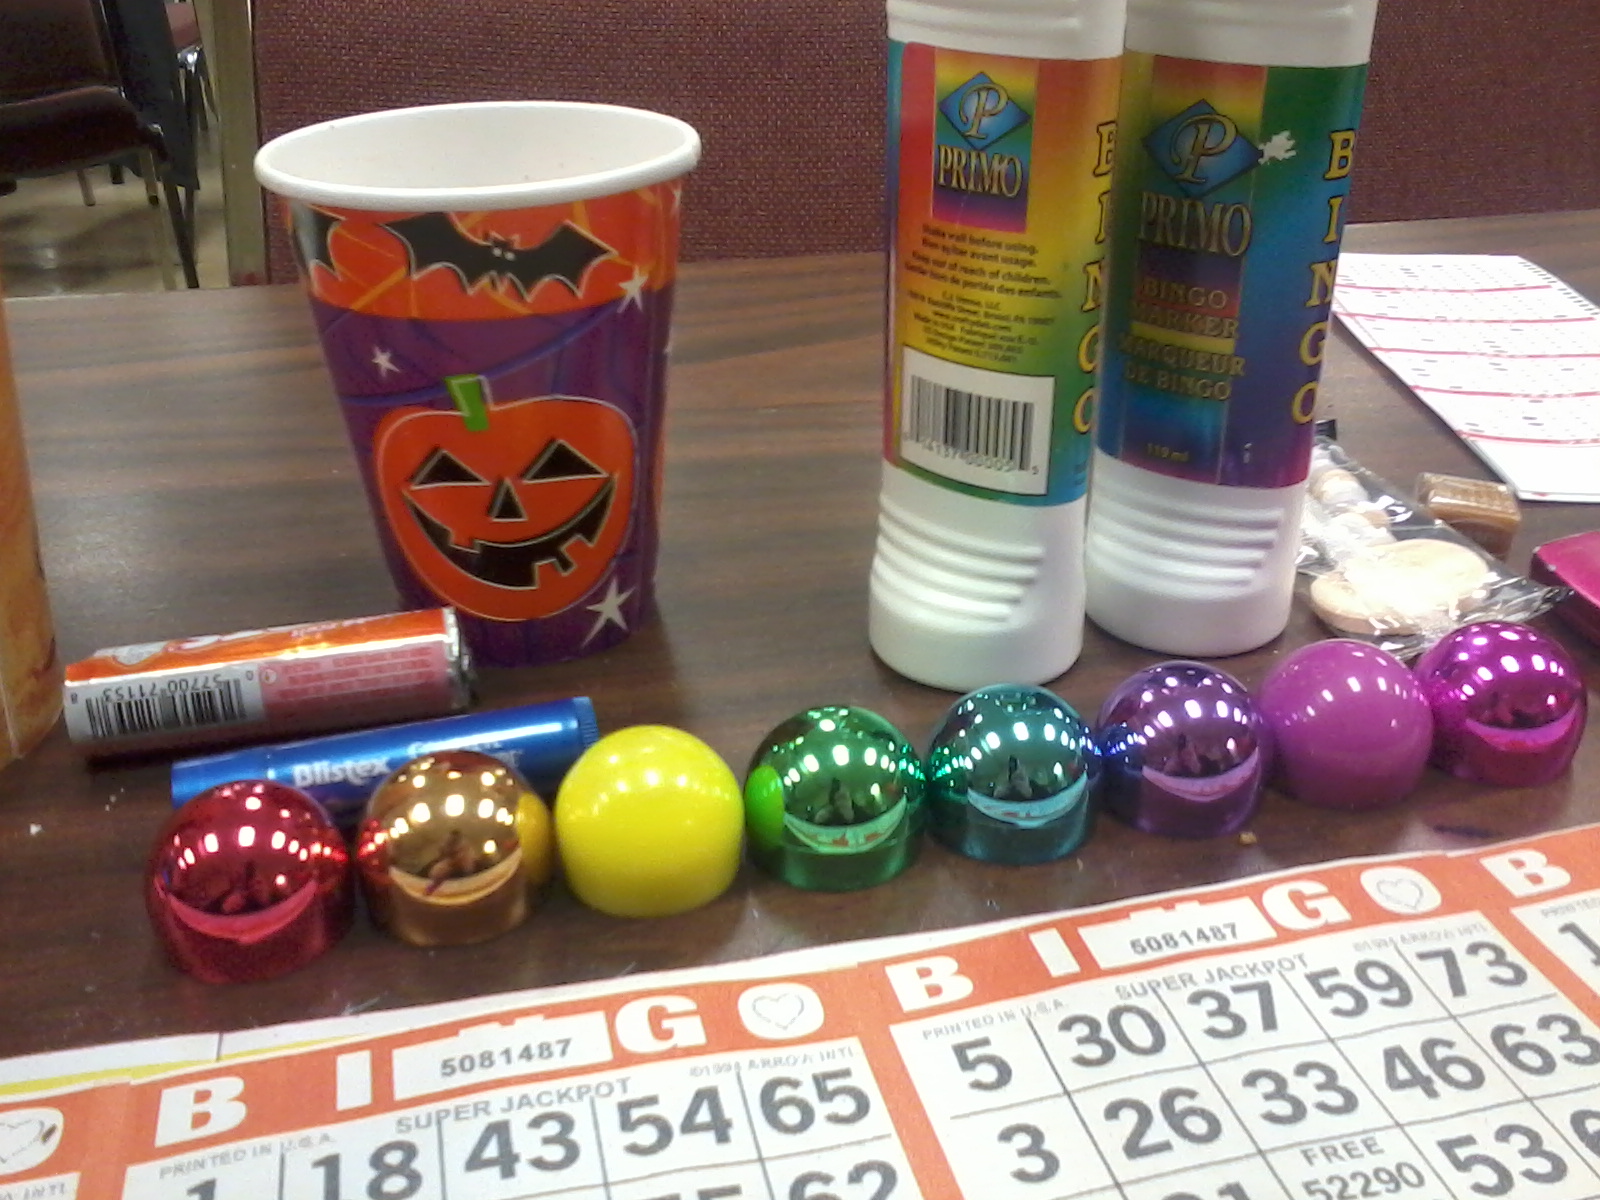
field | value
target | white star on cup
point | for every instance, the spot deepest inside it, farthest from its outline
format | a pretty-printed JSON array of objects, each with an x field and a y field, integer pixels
[
  {"x": 609, "y": 608},
  {"x": 633, "y": 289}
]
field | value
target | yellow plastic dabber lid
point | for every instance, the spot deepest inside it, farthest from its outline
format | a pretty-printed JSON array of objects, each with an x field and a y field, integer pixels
[{"x": 649, "y": 822}]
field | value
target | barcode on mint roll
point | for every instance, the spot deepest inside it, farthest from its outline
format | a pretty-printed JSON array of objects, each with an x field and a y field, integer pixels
[
  {"x": 203, "y": 707},
  {"x": 975, "y": 426},
  {"x": 154, "y": 709}
]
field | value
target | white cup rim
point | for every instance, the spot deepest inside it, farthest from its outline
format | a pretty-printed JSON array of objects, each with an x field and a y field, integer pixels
[{"x": 277, "y": 171}]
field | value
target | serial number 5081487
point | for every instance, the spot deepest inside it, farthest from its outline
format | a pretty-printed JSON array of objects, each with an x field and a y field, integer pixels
[
  {"x": 1185, "y": 939},
  {"x": 505, "y": 1056}
]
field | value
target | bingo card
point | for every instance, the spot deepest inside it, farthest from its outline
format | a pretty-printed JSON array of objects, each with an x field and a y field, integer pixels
[
  {"x": 1419, "y": 1027},
  {"x": 1504, "y": 352}
]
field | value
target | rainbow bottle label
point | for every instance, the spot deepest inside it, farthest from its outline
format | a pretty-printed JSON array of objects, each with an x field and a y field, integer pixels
[
  {"x": 1001, "y": 168},
  {"x": 1228, "y": 205}
]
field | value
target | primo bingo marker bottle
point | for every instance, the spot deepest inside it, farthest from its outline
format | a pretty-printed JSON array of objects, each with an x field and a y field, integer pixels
[
  {"x": 1002, "y": 123},
  {"x": 1237, "y": 137}
]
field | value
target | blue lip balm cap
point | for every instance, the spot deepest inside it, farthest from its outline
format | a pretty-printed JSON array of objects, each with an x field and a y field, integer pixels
[
  {"x": 192, "y": 776},
  {"x": 339, "y": 772}
]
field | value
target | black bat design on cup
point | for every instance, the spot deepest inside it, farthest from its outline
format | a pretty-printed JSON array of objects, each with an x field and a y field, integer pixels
[{"x": 435, "y": 240}]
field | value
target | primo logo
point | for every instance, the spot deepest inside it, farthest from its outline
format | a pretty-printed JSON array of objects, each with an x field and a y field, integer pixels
[
  {"x": 1201, "y": 149},
  {"x": 980, "y": 112}
]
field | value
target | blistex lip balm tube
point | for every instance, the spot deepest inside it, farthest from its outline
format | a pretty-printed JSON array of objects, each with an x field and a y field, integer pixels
[{"x": 540, "y": 740}]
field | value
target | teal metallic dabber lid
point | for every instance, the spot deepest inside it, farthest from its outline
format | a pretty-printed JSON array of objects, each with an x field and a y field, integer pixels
[
  {"x": 1013, "y": 774},
  {"x": 833, "y": 800}
]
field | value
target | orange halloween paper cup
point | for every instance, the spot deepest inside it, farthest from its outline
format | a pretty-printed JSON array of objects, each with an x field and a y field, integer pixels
[{"x": 493, "y": 284}]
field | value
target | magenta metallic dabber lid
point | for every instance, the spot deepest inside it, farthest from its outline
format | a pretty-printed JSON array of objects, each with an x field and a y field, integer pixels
[{"x": 1509, "y": 704}]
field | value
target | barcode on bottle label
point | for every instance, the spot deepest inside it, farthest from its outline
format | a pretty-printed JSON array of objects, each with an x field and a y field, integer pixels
[
  {"x": 974, "y": 426},
  {"x": 201, "y": 700}
]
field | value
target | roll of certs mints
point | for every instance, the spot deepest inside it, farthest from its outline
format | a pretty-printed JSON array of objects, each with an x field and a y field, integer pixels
[
  {"x": 283, "y": 681},
  {"x": 341, "y": 771}
]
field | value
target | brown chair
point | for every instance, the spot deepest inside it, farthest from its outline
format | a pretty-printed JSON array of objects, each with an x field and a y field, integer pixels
[
  {"x": 183, "y": 22},
  {"x": 63, "y": 108}
]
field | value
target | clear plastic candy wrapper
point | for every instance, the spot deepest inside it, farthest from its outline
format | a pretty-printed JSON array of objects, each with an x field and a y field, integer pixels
[{"x": 1376, "y": 565}]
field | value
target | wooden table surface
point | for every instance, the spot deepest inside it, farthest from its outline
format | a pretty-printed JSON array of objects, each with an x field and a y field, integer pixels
[{"x": 192, "y": 477}]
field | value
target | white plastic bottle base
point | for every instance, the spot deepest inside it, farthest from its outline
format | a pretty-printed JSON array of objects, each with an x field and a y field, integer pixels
[
  {"x": 968, "y": 592},
  {"x": 1189, "y": 568}
]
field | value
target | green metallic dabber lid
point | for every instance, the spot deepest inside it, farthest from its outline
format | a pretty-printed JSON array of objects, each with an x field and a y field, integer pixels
[{"x": 833, "y": 800}]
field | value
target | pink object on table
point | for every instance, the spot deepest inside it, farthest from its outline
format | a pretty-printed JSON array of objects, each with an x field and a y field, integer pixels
[{"x": 1573, "y": 562}]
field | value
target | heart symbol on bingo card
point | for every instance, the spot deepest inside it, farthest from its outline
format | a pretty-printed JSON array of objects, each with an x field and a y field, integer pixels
[
  {"x": 779, "y": 1011},
  {"x": 21, "y": 1141},
  {"x": 15, "y": 1137},
  {"x": 1400, "y": 895}
]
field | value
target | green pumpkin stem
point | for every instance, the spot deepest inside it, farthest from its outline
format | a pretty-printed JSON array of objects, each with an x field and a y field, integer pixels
[{"x": 470, "y": 399}]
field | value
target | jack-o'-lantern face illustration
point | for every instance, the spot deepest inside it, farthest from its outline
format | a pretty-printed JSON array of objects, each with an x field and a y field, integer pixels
[{"x": 511, "y": 511}]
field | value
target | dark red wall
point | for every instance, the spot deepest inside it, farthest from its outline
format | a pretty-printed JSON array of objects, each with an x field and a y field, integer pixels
[{"x": 1474, "y": 106}]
